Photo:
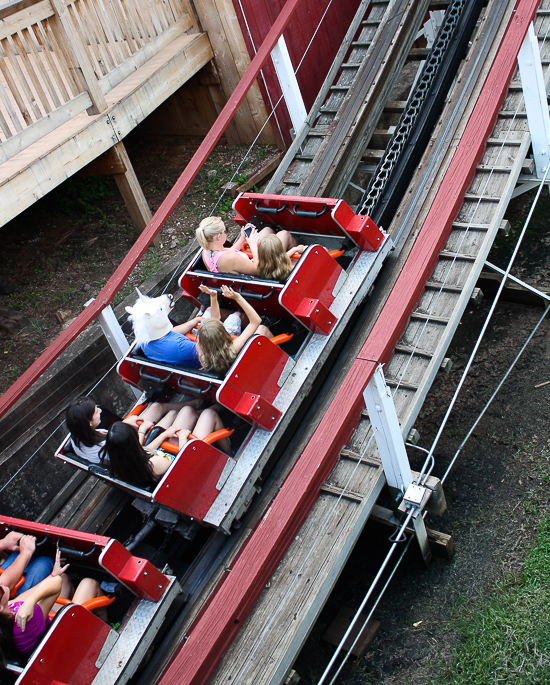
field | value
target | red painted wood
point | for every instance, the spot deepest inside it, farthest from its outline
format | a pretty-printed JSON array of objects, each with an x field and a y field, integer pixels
[
  {"x": 258, "y": 16},
  {"x": 437, "y": 226},
  {"x": 238, "y": 590},
  {"x": 104, "y": 298}
]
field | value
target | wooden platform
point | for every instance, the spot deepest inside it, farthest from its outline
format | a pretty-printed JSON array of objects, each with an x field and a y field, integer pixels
[{"x": 76, "y": 78}]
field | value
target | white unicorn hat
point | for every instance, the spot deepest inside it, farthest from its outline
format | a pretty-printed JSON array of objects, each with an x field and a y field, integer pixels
[{"x": 149, "y": 317}]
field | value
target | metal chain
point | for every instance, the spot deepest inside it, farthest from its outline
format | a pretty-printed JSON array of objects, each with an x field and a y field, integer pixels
[{"x": 402, "y": 132}]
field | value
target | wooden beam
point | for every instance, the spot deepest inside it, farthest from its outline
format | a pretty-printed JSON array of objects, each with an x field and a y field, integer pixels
[
  {"x": 24, "y": 18},
  {"x": 110, "y": 162},
  {"x": 219, "y": 20},
  {"x": 441, "y": 544},
  {"x": 131, "y": 191}
]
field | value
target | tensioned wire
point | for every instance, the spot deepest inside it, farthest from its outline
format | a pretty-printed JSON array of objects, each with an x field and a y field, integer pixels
[
  {"x": 422, "y": 478},
  {"x": 193, "y": 245},
  {"x": 320, "y": 532},
  {"x": 54, "y": 431}
]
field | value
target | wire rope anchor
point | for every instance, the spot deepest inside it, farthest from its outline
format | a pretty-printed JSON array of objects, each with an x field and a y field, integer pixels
[{"x": 391, "y": 446}]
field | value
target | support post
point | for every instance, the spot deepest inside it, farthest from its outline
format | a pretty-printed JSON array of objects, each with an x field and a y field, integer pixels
[
  {"x": 289, "y": 84},
  {"x": 391, "y": 446},
  {"x": 536, "y": 104},
  {"x": 131, "y": 192},
  {"x": 114, "y": 334}
]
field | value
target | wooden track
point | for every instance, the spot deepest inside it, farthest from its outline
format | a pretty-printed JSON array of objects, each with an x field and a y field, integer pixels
[{"x": 264, "y": 649}]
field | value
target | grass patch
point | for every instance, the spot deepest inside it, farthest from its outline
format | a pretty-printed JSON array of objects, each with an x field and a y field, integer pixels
[{"x": 506, "y": 638}]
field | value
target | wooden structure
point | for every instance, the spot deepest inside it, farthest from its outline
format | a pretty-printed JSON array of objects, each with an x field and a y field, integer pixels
[
  {"x": 318, "y": 532},
  {"x": 78, "y": 76},
  {"x": 314, "y": 60}
]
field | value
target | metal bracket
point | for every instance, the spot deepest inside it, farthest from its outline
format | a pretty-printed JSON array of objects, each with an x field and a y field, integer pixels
[{"x": 289, "y": 84}]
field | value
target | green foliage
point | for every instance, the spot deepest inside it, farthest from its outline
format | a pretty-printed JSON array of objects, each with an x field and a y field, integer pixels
[
  {"x": 506, "y": 638},
  {"x": 80, "y": 195},
  {"x": 262, "y": 152}
]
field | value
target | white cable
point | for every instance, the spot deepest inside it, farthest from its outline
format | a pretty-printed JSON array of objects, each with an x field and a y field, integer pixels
[{"x": 481, "y": 415}]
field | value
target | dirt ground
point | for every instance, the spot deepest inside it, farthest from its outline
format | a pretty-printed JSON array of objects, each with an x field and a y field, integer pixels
[{"x": 58, "y": 254}]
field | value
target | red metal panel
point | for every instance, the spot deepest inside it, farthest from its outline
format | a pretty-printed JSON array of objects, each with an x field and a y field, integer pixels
[
  {"x": 72, "y": 539},
  {"x": 146, "y": 374},
  {"x": 307, "y": 295},
  {"x": 25, "y": 381},
  {"x": 190, "y": 484},
  {"x": 312, "y": 215},
  {"x": 258, "y": 17},
  {"x": 236, "y": 593},
  {"x": 251, "y": 386},
  {"x": 70, "y": 650},
  {"x": 252, "y": 290},
  {"x": 138, "y": 575},
  {"x": 361, "y": 229}
]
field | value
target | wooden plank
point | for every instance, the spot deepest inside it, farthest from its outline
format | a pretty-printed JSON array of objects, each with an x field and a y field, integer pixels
[
  {"x": 212, "y": 23},
  {"x": 37, "y": 36},
  {"x": 68, "y": 68},
  {"x": 106, "y": 46},
  {"x": 337, "y": 629},
  {"x": 29, "y": 109},
  {"x": 26, "y": 137},
  {"x": 110, "y": 162},
  {"x": 139, "y": 58},
  {"x": 74, "y": 44},
  {"x": 115, "y": 33},
  {"x": 37, "y": 74},
  {"x": 140, "y": 246},
  {"x": 90, "y": 34},
  {"x": 444, "y": 209},
  {"x": 230, "y": 603},
  {"x": 8, "y": 106},
  {"x": 441, "y": 544},
  {"x": 131, "y": 191},
  {"x": 235, "y": 40},
  {"x": 25, "y": 17}
]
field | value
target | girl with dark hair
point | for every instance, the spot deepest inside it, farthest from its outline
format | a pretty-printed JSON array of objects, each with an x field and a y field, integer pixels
[
  {"x": 88, "y": 432},
  {"x": 129, "y": 461},
  {"x": 83, "y": 419}
]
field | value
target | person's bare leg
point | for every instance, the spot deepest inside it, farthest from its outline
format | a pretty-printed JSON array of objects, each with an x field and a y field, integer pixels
[
  {"x": 264, "y": 330},
  {"x": 287, "y": 239},
  {"x": 67, "y": 587},
  {"x": 210, "y": 421},
  {"x": 89, "y": 589}
]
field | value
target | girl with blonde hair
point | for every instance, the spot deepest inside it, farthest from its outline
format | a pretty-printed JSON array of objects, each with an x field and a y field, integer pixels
[
  {"x": 212, "y": 235},
  {"x": 216, "y": 348},
  {"x": 273, "y": 262}
]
